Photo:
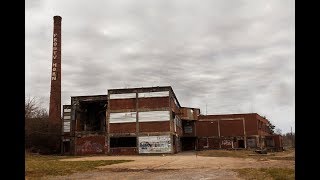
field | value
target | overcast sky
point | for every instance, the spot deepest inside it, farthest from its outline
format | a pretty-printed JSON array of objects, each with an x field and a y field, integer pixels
[{"x": 229, "y": 56}]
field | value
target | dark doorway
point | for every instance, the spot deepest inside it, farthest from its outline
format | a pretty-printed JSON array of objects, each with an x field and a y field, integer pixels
[
  {"x": 188, "y": 143},
  {"x": 123, "y": 142},
  {"x": 241, "y": 144},
  {"x": 66, "y": 147}
]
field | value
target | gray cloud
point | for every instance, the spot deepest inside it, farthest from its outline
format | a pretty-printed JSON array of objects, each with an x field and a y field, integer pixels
[{"x": 231, "y": 56}]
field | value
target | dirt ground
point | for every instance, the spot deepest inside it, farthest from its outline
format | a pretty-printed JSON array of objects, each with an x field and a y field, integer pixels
[{"x": 185, "y": 165}]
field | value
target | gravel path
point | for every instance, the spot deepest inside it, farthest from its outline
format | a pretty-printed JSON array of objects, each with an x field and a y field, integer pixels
[{"x": 185, "y": 165}]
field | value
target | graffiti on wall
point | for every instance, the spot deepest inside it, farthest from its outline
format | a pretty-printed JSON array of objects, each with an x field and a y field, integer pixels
[
  {"x": 89, "y": 147},
  {"x": 154, "y": 144},
  {"x": 226, "y": 142}
]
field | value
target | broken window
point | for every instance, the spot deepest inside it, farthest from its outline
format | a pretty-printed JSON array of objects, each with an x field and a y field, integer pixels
[
  {"x": 92, "y": 115},
  {"x": 241, "y": 143},
  {"x": 66, "y": 118},
  {"x": 123, "y": 142}
]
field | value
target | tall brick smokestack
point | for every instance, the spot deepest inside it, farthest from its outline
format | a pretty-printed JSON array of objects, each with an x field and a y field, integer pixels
[{"x": 55, "y": 121}]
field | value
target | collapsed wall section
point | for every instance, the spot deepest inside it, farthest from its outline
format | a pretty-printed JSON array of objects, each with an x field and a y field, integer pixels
[{"x": 88, "y": 124}]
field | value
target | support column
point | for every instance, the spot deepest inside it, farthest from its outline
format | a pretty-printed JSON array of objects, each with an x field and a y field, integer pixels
[
  {"x": 137, "y": 122},
  {"x": 244, "y": 133},
  {"x": 108, "y": 125}
]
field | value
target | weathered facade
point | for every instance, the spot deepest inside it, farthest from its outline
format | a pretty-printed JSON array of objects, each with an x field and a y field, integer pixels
[
  {"x": 150, "y": 120},
  {"x": 189, "y": 117},
  {"x": 145, "y": 117},
  {"x": 232, "y": 131},
  {"x": 84, "y": 130}
]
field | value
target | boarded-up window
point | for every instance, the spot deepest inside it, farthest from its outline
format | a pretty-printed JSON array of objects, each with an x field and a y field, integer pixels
[
  {"x": 154, "y": 116},
  {"x": 66, "y": 118},
  {"x": 123, "y": 96},
  {"x": 66, "y": 126},
  {"x": 122, "y": 117},
  {"x": 154, "y": 94}
]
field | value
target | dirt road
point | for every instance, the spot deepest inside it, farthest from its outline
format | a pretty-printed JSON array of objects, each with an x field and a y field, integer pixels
[{"x": 186, "y": 165}]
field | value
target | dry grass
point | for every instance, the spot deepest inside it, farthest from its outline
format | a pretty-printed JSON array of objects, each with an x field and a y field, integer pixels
[
  {"x": 266, "y": 173},
  {"x": 258, "y": 173},
  {"x": 41, "y": 166},
  {"x": 225, "y": 153},
  {"x": 289, "y": 158},
  {"x": 286, "y": 155}
]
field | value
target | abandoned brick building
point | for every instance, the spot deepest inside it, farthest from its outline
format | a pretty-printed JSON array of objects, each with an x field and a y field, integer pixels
[{"x": 151, "y": 120}]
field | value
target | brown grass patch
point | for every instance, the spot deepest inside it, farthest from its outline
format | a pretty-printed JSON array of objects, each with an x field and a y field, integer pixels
[
  {"x": 41, "y": 166},
  {"x": 266, "y": 173},
  {"x": 225, "y": 153},
  {"x": 286, "y": 155}
]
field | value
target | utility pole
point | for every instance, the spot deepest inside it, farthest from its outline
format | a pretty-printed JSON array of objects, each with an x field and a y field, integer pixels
[{"x": 206, "y": 110}]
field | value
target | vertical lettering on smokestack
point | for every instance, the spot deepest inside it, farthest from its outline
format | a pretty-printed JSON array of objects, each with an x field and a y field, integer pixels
[{"x": 55, "y": 92}]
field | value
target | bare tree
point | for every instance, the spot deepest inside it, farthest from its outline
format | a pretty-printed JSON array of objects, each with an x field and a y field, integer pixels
[
  {"x": 36, "y": 125},
  {"x": 30, "y": 106},
  {"x": 34, "y": 109},
  {"x": 278, "y": 131},
  {"x": 270, "y": 126}
]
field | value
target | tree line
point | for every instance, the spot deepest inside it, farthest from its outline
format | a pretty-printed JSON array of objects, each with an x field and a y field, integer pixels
[{"x": 36, "y": 126}]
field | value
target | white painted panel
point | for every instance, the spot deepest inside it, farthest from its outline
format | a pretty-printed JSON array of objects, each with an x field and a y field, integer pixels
[
  {"x": 122, "y": 117},
  {"x": 154, "y": 116},
  {"x": 123, "y": 96},
  {"x": 154, "y": 144},
  {"x": 66, "y": 117},
  {"x": 66, "y": 126},
  {"x": 154, "y": 94},
  {"x": 67, "y": 110}
]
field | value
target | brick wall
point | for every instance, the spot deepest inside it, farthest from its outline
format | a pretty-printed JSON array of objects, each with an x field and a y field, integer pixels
[{"x": 90, "y": 145}]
